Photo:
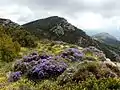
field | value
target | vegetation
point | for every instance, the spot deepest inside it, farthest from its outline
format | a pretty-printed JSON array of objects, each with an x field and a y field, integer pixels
[
  {"x": 55, "y": 65},
  {"x": 24, "y": 38},
  {"x": 8, "y": 49},
  {"x": 57, "y": 28},
  {"x": 18, "y": 34},
  {"x": 80, "y": 74}
]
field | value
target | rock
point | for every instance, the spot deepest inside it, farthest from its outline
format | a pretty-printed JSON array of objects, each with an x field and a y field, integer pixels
[
  {"x": 115, "y": 56},
  {"x": 107, "y": 59},
  {"x": 111, "y": 74},
  {"x": 109, "y": 63},
  {"x": 118, "y": 65}
]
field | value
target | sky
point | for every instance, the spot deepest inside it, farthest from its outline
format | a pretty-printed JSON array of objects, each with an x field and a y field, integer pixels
[{"x": 93, "y": 16}]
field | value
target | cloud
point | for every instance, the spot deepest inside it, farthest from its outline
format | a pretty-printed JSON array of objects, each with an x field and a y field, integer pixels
[
  {"x": 104, "y": 7},
  {"x": 91, "y": 15}
]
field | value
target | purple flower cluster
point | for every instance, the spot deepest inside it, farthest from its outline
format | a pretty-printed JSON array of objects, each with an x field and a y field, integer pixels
[
  {"x": 94, "y": 52},
  {"x": 47, "y": 68},
  {"x": 14, "y": 76},
  {"x": 40, "y": 66},
  {"x": 73, "y": 54}
]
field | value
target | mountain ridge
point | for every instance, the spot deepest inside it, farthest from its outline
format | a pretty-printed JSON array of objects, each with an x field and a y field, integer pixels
[
  {"x": 58, "y": 29},
  {"x": 106, "y": 38}
]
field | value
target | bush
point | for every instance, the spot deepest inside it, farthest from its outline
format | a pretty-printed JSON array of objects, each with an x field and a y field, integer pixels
[
  {"x": 94, "y": 52},
  {"x": 38, "y": 67},
  {"x": 8, "y": 48},
  {"x": 73, "y": 54},
  {"x": 91, "y": 83},
  {"x": 17, "y": 33},
  {"x": 24, "y": 38},
  {"x": 15, "y": 76},
  {"x": 101, "y": 84},
  {"x": 83, "y": 70},
  {"x": 47, "y": 69}
]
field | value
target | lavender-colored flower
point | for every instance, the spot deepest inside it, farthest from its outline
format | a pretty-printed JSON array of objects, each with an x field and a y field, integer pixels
[
  {"x": 72, "y": 54},
  {"x": 36, "y": 70},
  {"x": 15, "y": 76},
  {"x": 37, "y": 67},
  {"x": 47, "y": 68},
  {"x": 43, "y": 60}
]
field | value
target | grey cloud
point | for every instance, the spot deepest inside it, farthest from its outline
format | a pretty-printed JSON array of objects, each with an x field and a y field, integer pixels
[
  {"x": 72, "y": 9},
  {"x": 107, "y": 8}
]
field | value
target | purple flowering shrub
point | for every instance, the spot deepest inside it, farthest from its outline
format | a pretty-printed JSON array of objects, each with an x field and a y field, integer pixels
[
  {"x": 92, "y": 52},
  {"x": 73, "y": 54},
  {"x": 15, "y": 76},
  {"x": 47, "y": 68},
  {"x": 36, "y": 66}
]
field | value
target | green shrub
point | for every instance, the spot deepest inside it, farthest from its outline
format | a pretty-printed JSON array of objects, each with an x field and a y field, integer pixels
[
  {"x": 83, "y": 70},
  {"x": 24, "y": 38},
  {"x": 8, "y": 48},
  {"x": 17, "y": 33},
  {"x": 91, "y": 83}
]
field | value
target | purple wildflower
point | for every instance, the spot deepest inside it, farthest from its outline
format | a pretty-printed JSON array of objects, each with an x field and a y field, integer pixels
[
  {"x": 15, "y": 76},
  {"x": 72, "y": 54}
]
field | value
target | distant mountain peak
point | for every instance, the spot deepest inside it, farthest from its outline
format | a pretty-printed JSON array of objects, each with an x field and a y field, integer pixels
[
  {"x": 106, "y": 38},
  {"x": 105, "y": 35}
]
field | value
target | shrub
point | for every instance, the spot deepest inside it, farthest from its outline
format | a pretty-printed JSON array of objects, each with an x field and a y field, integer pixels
[
  {"x": 15, "y": 76},
  {"x": 47, "y": 69},
  {"x": 83, "y": 70},
  {"x": 8, "y": 48},
  {"x": 40, "y": 66},
  {"x": 24, "y": 38},
  {"x": 73, "y": 54},
  {"x": 94, "y": 52}
]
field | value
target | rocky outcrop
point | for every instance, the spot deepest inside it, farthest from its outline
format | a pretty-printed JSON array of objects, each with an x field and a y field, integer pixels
[{"x": 8, "y": 23}]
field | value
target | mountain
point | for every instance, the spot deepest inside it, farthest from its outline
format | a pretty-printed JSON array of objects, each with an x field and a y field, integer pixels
[
  {"x": 106, "y": 38},
  {"x": 58, "y": 29}
]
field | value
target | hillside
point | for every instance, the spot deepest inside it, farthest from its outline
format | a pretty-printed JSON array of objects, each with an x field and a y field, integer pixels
[
  {"x": 58, "y": 29},
  {"x": 60, "y": 66},
  {"x": 106, "y": 38},
  {"x": 58, "y": 61},
  {"x": 17, "y": 33}
]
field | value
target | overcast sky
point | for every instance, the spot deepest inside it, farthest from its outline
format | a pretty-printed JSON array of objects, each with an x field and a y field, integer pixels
[{"x": 90, "y": 15}]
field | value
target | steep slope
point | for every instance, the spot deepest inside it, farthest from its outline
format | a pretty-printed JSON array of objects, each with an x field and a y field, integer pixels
[
  {"x": 7, "y": 22},
  {"x": 17, "y": 33},
  {"x": 106, "y": 38},
  {"x": 57, "y": 28}
]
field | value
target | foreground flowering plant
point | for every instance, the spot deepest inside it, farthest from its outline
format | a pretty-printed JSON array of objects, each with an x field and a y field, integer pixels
[
  {"x": 73, "y": 54},
  {"x": 37, "y": 67},
  {"x": 14, "y": 76}
]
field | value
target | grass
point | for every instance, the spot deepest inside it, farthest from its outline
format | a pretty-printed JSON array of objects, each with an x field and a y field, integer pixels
[{"x": 91, "y": 83}]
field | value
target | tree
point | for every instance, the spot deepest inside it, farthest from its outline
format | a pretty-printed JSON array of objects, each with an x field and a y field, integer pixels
[{"x": 8, "y": 48}]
